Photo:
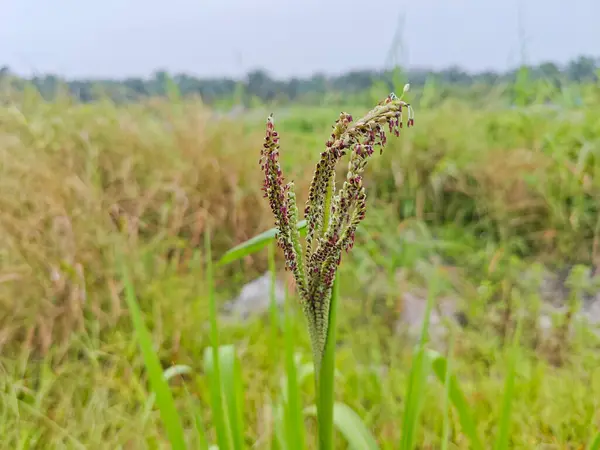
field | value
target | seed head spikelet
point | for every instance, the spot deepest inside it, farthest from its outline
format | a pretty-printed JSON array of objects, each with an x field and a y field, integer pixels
[{"x": 332, "y": 217}]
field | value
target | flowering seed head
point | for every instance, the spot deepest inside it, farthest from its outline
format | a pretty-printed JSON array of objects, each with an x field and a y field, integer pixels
[{"x": 332, "y": 217}]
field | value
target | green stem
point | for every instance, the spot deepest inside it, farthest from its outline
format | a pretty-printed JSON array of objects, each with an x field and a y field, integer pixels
[
  {"x": 223, "y": 439},
  {"x": 325, "y": 378}
]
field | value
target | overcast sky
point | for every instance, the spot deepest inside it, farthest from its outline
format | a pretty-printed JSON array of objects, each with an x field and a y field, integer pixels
[{"x": 118, "y": 38}]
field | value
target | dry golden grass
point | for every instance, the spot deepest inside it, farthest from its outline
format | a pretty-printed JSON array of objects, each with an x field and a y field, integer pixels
[{"x": 79, "y": 180}]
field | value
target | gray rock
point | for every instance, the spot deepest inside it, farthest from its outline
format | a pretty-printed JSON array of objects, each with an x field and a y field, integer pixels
[
  {"x": 592, "y": 312},
  {"x": 555, "y": 292},
  {"x": 411, "y": 319},
  {"x": 254, "y": 298}
]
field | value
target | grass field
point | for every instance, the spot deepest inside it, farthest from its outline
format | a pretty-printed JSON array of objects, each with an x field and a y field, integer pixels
[{"x": 482, "y": 194}]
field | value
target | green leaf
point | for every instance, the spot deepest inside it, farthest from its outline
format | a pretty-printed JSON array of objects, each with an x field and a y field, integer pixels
[
  {"x": 279, "y": 441},
  {"x": 294, "y": 420},
  {"x": 253, "y": 245},
  {"x": 326, "y": 377},
  {"x": 594, "y": 443},
  {"x": 457, "y": 397},
  {"x": 351, "y": 426},
  {"x": 415, "y": 388},
  {"x": 176, "y": 370},
  {"x": 231, "y": 390},
  {"x": 447, "y": 381},
  {"x": 196, "y": 413},
  {"x": 23, "y": 407},
  {"x": 212, "y": 364},
  {"x": 169, "y": 373},
  {"x": 158, "y": 383},
  {"x": 502, "y": 441}
]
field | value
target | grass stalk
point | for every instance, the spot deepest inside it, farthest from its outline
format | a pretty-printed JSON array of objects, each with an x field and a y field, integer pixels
[
  {"x": 447, "y": 384},
  {"x": 418, "y": 376},
  {"x": 503, "y": 438},
  {"x": 594, "y": 442},
  {"x": 325, "y": 378},
  {"x": 224, "y": 439},
  {"x": 158, "y": 383},
  {"x": 293, "y": 407}
]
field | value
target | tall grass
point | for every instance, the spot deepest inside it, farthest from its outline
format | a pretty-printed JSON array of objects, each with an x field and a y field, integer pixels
[
  {"x": 226, "y": 391},
  {"x": 227, "y": 398},
  {"x": 478, "y": 193}
]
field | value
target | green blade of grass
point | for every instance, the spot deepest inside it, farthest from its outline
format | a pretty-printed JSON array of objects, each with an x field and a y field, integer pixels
[
  {"x": 231, "y": 391},
  {"x": 278, "y": 440},
  {"x": 281, "y": 438},
  {"x": 194, "y": 410},
  {"x": 21, "y": 406},
  {"x": 457, "y": 397},
  {"x": 176, "y": 370},
  {"x": 446, "y": 421},
  {"x": 502, "y": 440},
  {"x": 353, "y": 428},
  {"x": 325, "y": 378},
  {"x": 594, "y": 443},
  {"x": 294, "y": 419},
  {"x": 158, "y": 383},
  {"x": 196, "y": 413},
  {"x": 169, "y": 373},
  {"x": 253, "y": 245},
  {"x": 303, "y": 372},
  {"x": 417, "y": 377},
  {"x": 212, "y": 365},
  {"x": 350, "y": 425}
]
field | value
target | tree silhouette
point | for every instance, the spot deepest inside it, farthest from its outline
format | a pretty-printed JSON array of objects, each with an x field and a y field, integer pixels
[{"x": 260, "y": 86}]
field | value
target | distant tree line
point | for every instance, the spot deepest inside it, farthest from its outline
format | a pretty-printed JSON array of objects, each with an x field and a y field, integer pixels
[{"x": 259, "y": 86}]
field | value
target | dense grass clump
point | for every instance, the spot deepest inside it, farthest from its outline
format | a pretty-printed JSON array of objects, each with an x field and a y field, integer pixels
[
  {"x": 463, "y": 206},
  {"x": 78, "y": 179}
]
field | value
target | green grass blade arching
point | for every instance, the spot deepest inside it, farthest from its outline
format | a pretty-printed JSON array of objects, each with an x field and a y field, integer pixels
[
  {"x": 447, "y": 383},
  {"x": 594, "y": 443},
  {"x": 352, "y": 427},
  {"x": 231, "y": 391},
  {"x": 502, "y": 440},
  {"x": 294, "y": 419},
  {"x": 417, "y": 377},
  {"x": 457, "y": 397},
  {"x": 325, "y": 377},
  {"x": 224, "y": 438},
  {"x": 160, "y": 387},
  {"x": 253, "y": 245},
  {"x": 196, "y": 413},
  {"x": 175, "y": 371},
  {"x": 22, "y": 409},
  {"x": 349, "y": 424},
  {"x": 169, "y": 373}
]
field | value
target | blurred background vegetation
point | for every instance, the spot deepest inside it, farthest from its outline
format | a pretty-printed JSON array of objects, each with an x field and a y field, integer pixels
[
  {"x": 496, "y": 185},
  {"x": 259, "y": 87}
]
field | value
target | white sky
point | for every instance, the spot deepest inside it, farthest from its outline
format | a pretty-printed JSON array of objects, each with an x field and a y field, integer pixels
[{"x": 118, "y": 38}]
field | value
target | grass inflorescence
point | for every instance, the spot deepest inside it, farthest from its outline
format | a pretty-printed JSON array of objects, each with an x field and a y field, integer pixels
[{"x": 332, "y": 217}]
